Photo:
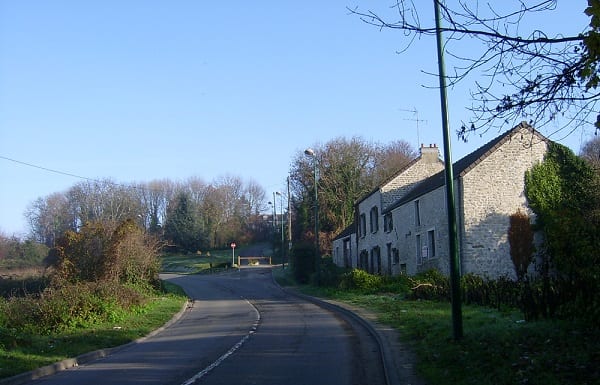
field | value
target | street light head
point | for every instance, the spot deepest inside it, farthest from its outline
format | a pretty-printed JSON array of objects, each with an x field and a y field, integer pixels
[
  {"x": 309, "y": 152},
  {"x": 277, "y": 192}
]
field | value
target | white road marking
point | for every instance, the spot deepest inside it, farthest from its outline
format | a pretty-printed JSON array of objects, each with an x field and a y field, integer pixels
[{"x": 235, "y": 347}]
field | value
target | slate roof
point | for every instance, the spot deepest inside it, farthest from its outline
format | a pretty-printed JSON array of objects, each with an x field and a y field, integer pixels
[
  {"x": 389, "y": 179},
  {"x": 346, "y": 232},
  {"x": 461, "y": 167}
]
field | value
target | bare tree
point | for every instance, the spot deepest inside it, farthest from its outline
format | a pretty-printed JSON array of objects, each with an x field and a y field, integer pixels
[
  {"x": 523, "y": 72},
  {"x": 591, "y": 153},
  {"x": 347, "y": 169},
  {"x": 256, "y": 198},
  {"x": 49, "y": 218},
  {"x": 392, "y": 157}
]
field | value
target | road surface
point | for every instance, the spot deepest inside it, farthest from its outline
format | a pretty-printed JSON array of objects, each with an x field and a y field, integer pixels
[{"x": 241, "y": 329}]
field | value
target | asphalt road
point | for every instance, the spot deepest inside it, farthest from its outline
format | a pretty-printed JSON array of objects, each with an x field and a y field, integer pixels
[{"x": 241, "y": 329}]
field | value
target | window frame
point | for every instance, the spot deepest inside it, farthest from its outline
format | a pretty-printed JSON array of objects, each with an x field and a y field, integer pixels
[{"x": 374, "y": 219}]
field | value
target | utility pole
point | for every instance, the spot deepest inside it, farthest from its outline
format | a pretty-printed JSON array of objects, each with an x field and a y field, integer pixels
[
  {"x": 450, "y": 201},
  {"x": 289, "y": 229}
]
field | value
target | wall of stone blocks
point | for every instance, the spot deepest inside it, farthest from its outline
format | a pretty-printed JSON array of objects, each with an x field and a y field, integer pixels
[{"x": 491, "y": 192}]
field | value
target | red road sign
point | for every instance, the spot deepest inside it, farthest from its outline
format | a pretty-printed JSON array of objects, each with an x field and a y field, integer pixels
[{"x": 233, "y": 245}]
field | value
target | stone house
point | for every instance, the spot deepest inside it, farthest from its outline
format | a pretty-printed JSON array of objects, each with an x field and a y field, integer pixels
[
  {"x": 370, "y": 228},
  {"x": 489, "y": 187}
]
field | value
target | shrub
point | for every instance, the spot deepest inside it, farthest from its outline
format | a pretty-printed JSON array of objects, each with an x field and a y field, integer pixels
[
  {"x": 431, "y": 285},
  {"x": 10, "y": 287},
  {"x": 302, "y": 260},
  {"x": 358, "y": 279},
  {"x": 69, "y": 307},
  {"x": 520, "y": 239},
  {"x": 329, "y": 273},
  {"x": 99, "y": 252}
]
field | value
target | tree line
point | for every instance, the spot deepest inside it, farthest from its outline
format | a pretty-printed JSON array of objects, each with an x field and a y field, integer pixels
[
  {"x": 194, "y": 215},
  {"x": 187, "y": 215}
]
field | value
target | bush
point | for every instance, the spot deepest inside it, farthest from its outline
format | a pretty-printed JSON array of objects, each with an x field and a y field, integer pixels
[
  {"x": 499, "y": 293},
  {"x": 16, "y": 253},
  {"x": 329, "y": 273},
  {"x": 19, "y": 287},
  {"x": 431, "y": 285},
  {"x": 100, "y": 252},
  {"x": 69, "y": 307},
  {"x": 358, "y": 279},
  {"x": 303, "y": 261}
]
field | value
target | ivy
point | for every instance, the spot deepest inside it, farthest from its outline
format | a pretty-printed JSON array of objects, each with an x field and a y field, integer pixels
[{"x": 561, "y": 191}]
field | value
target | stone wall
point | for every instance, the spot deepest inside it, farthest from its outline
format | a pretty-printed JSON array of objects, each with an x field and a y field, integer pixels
[
  {"x": 433, "y": 218},
  {"x": 491, "y": 192},
  {"x": 339, "y": 258},
  {"x": 421, "y": 168},
  {"x": 426, "y": 165}
]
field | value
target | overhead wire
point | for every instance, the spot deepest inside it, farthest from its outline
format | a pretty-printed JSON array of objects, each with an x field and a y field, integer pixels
[
  {"x": 75, "y": 175},
  {"x": 48, "y": 169}
]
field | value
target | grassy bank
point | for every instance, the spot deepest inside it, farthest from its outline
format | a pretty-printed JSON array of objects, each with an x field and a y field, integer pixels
[
  {"x": 498, "y": 347},
  {"x": 22, "y": 351}
]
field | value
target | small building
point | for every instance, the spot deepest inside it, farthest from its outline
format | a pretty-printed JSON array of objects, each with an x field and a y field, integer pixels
[{"x": 410, "y": 234}]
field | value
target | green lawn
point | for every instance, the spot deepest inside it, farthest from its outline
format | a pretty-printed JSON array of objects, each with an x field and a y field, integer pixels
[{"x": 497, "y": 348}]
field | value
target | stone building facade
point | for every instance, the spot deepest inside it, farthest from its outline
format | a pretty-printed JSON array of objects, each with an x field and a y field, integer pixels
[
  {"x": 489, "y": 187},
  {"x": 344, "y": 248},
  {"x": 373, "y": 233}
]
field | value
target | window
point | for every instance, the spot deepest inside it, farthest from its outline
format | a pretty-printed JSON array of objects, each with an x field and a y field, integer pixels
[
  {"x": 418, "y": 246},
  {"x": 388, "y": 222},
  {"x": 374, "y": 219},
  {"x": 421, "y": 250},
  {"x": 417, "y": 214},
  {"x": 362, "y": 228},
  {"x": 431, "y": 243},
  {"x": 363, "y": 260},
  {"x": 375, "y": 262},
  {"x": 347, "y": 252},
  {"x": 389, "y": 258}
]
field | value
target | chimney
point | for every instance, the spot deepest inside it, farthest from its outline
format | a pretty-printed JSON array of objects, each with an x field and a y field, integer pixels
[{"x": 430, "y": 154}]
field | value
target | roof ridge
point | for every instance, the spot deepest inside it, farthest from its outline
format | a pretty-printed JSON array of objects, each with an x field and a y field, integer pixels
[{"x": 463, "y": 165}]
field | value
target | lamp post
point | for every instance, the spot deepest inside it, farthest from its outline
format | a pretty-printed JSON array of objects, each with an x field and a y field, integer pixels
[
  {"x": 282, "y": 236},
  {"x": 311, "y": 153},
  {"x": 273, "y": 214}
]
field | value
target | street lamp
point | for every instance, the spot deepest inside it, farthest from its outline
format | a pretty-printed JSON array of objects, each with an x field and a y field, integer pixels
[
  {"x": 274, "y": 213},
  {"x": 282, "y": 240},
  {"x": 311, "y": 153}
]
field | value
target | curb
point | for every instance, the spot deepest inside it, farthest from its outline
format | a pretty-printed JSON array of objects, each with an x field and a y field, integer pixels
[{"x": 86, "y": 357}]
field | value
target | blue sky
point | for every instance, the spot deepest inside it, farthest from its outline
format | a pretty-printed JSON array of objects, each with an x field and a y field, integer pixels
[{"x": 142, "y": 90}]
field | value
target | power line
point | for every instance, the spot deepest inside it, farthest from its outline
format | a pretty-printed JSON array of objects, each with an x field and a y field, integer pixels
[
  {"x": 72, "y": 175},
  {"x": 48, "y": 169}
]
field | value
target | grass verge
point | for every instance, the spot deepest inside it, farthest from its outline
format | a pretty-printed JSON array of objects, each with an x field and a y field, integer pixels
[
  {"x": 22, "y": 352},
  {"x": 498, "y": 347}
]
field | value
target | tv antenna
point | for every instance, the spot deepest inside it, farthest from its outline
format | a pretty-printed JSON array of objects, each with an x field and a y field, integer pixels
[{"x": 415, "y": 118}]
